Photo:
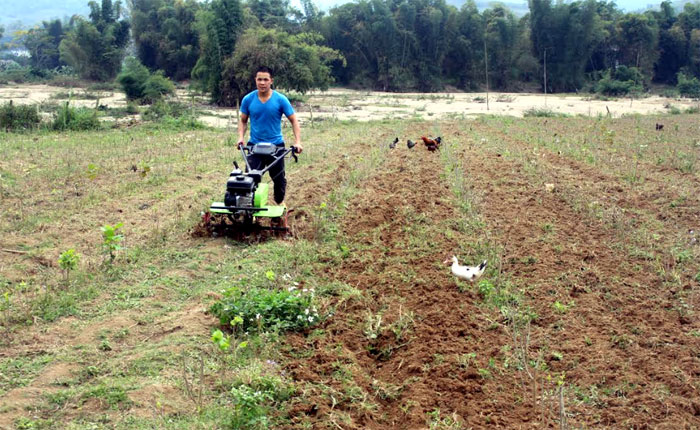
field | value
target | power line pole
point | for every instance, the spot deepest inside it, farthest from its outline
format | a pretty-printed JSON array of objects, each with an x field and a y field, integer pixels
[
  {"x": 545, "y": 77},
  {"x": 486, "y": 65}
]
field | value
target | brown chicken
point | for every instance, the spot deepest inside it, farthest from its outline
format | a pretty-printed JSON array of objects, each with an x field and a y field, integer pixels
[{"x": 431, "y": 144}]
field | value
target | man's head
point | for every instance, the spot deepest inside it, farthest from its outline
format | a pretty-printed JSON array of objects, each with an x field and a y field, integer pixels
[{"x": 263, "y": 79}]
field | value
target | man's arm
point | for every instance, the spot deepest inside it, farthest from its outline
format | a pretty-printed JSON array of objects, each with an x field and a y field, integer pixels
[
  {"x": 297, "y": 131},
  {"x": 242, "y": 127}
]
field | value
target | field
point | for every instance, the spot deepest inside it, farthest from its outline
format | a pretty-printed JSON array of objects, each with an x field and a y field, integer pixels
[
  {"x": 348, "y": 105},
  {"x": 587, "y": 315}
]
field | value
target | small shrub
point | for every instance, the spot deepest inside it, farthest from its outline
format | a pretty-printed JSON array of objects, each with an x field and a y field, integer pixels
[
  {"x": 75, "y": 119},
  {"x": 688, "y": 87},
  {"x": 669, "y": 93},
  {"x": 673, "y": 110},
  {"x": 139, "y": 84},
  {"x": 160, "y": 109},
  {"x": 542, "y": 113},
  {"x": 297, "y": 98},
  {"x": 624, "y": 80},
  {"x": 111, "y": 240},
  {"x": 13, "y": 118},
  {"x": 18, "y": 75},
  {"x": 277, "y": 309},
  {"x": 131, "y": 108},
  {"x": 68, "y": 261},
  {"x": 133, "y": 78},
  {"x": 157, "y": 86}
]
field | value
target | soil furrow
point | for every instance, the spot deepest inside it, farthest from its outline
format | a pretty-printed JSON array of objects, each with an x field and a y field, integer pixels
[{"x": 580, "y": 265}]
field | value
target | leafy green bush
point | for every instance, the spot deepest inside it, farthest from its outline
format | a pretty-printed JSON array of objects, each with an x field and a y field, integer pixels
[
  {"x": 623, "y": 81},
  {"x": 160, "y": 109},
  {"x": 140, "y": 84},
  {"x": 18, "y": 117},
  {"x": 174, "y": 115},
  {"x": 296, "y": 98},
  {"x": 157, "y": 86},
  {"x": 542, "y": 113},
  {"x": 17, "y": 75},
  {"x": 258, "y": 307},
  {"x": 75, "y": 118},
  {"x": 133, "y": 78},
  {"x": 688, "y": 87},
  {"x": 131, "y": 108}
]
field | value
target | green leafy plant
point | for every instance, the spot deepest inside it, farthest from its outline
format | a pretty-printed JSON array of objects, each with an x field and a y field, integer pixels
[
  {"x": 13, "y": 118},
  {"x": 92, "y": 171},
  {"x": 560, "y": 308},
  {"x": 68, "y": 261},
  {"x": 258, "y": 307},
  {"x": 465, "y": 360},
  {"x": 438, "y": 422},
  {"x": 140, "y": 84},
  {"x": 688, "y": 86},
  {"x": 251, "y": 407},
  {"x": 222, "y": 341},
  {"x": 621, "y": 81},
  {"x": 75, "y": 119},
  {"x": 111, "y": 240}
]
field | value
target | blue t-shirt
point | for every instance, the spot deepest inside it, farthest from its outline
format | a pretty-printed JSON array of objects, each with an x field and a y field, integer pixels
[{"x": 266, "y": 118}]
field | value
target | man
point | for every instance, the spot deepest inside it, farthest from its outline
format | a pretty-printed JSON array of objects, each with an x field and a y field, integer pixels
[{"x": 265, "y": 107}]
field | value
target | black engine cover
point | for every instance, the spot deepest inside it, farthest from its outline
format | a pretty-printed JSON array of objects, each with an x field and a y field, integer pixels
[
  {"x": 239, "y": 188},
  {"x": 240, "y": 184}
]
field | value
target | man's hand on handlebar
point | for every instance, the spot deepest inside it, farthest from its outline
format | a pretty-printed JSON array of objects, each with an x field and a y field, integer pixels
[
  {"x": 298, "y": 148},
  {"x": 241, "y": 144}
]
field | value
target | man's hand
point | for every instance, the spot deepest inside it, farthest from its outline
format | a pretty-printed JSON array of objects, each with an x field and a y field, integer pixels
[
  {"x": 240, "y": 144},
  {"x": 298, "y": 148}
]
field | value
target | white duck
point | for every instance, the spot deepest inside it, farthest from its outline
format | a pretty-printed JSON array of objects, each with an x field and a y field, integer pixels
[{"x": 468, "y": 273}]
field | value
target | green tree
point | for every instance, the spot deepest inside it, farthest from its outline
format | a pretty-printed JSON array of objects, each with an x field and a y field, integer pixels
[
  {"x": 605, "y": 50},
  {"x": 298, "y": 61},
  {"x": 435, "y": 23},
  {"x": 42, "y": 44},
  {"x": 500, "y": 33},
  {"x": 165, "y": 36},
  {"x": 688, "y": 87},
  {"x": 567, "y": 34},
  {"x": 95, "y": 48},
  {"x": 218, "y": 27},
  {"x": 673, "y": 47},
  {"x": 639, "y": 38},
  {"x": 274, "y": 14},
  {"x": 464, "y": 62}
]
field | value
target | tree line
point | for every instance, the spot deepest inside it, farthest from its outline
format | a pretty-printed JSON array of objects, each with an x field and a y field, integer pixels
[{"x": 387, "y": 45}]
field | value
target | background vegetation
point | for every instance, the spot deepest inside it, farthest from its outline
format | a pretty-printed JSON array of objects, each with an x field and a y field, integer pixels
[{"x": 389, "y": 45}]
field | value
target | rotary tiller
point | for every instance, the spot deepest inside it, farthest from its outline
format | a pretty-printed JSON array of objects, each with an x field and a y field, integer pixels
[{"x": 245, "y": 203}]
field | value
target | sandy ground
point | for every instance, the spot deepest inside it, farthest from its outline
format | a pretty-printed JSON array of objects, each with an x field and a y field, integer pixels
[{"x": 343, "y": 104}]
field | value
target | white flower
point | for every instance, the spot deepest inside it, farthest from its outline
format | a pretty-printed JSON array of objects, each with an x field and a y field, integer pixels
[
  {"x": 306, "y": 311},
  {"x": 296, "y": 283},
  {"x": 305, "y": 290},
  {"x": 311, "y": 319},
  {"x": 290, "y": 289},
  {"x": 258, "y": 316}
]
